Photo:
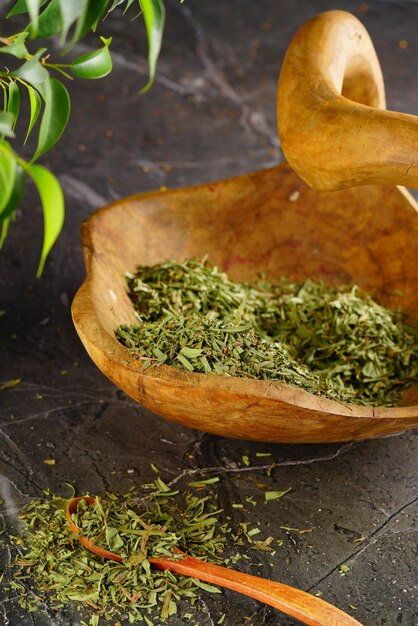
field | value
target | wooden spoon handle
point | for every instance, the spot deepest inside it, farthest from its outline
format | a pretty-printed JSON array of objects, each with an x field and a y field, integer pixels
[
  {"x": 299, "y": 604},
  {"x": 333, "y": 126}
]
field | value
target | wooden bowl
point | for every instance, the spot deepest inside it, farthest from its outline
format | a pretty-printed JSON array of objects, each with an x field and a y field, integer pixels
[{"x": 252, "y": 223}]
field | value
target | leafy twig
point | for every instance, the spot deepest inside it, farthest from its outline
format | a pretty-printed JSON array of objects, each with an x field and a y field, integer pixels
[{"x": 48, "y": 97}]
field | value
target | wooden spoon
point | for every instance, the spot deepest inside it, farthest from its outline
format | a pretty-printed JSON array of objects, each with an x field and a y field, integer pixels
[{"x": 294, "y": 602}]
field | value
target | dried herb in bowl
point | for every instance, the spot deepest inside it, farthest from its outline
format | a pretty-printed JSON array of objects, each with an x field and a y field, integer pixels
[{"x": 337, "y": 343}]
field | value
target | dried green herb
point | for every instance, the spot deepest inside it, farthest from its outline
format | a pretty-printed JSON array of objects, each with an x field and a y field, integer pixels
[
  {"x": 54, "y": 568},
  {"x": 338, "y": 343},
  {"x": 275, "y": 495},
  {"x": 10, "y": 384}
]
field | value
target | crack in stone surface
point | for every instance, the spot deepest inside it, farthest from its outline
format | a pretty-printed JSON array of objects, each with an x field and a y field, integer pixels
[
  {"x": 251, "y": 119},
  {"x": 372, "y": 539},
  {"x": 20, "y": 456},
  {"x": 196, "y": 163},
  {"x": 43, "y": 415},
  {"x": 237, "y": 470},
  {"x": 26, "y": 387},
  {"x": 18, "y": 471},
  {"x": 206, "y": 611},
  {"x": 157, "y": 169},
  {"x": 263, "y": 614},
  {"x": 19, "y": 491},
  {"x": 5, "y": 617},
  {"x": 98, "y": 394},
  {"x": 79, "y": 190}
]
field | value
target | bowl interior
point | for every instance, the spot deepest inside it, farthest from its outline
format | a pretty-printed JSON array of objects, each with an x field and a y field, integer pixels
[{"x": 268, "y": 221}]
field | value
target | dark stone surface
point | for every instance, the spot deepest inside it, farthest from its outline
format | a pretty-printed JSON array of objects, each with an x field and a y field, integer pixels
[{"x": 210, "y": 115}]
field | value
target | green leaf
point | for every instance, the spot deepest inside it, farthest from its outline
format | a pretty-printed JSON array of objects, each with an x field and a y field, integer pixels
[
  {"x": 154, "y": 18},
  {"x": 55, "y": 117},
  {"x": 185, "y": 362},
  {"x": 4, "y": 230},
  {"x": 191, "y": 353},
  {"x": 18, "y": 9},
  {"x": 95, "y": 64},
  {"x": 16, "y": 195},
  {"x": 275, "y": 495},
  {"x": 6, "y": 123},
  {"x": 116, "y": 3},
  {"x": 371, "y": 370},
  {"x": 206, "y": 587},
  {"x": 70, "y": 12},
  {"x": 208, "y": 481},
  {"x": 7, "y": 174},
  {"x": 13, "y": 101},
  {"x": 93, "y": 10},
  {"x": 17, "y": 47},
  {"x": 83, "y": 597},
  {"x": 13, "y": 203},
  {"x": 10, "y": 384},
  {"x": 161, "y": 485},
  {"x": 113, "y": 538},
  {"x": 33, "y": 8},
  {"x": 52, "y": 200},
  {"x": 50, "y": 21},
  {"x": 28, "y": 6},
  {"x": 21, "y": 7},
  {"x": 32, "y": 71},
  {"x": 128, "y": 4},
  {"x": 35, "y": 109}
]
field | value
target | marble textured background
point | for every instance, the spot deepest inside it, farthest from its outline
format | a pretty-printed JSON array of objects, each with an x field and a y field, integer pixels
[{"x": 210, "y": 115}]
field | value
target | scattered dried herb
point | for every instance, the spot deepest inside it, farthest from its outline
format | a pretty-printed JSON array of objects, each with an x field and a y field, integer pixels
[
  {"x": 338, "y": 343},
  {"x": 202, "y": 483},
  {"x": 275, "y": 495},
  {"x": 10, "y": 384},
  {"x": 53, "y": 568}
]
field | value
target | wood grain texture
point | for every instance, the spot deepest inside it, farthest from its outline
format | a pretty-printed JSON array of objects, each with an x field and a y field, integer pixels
[
  {"x": 365, "y": 235},
  {"x": 333, "y": 126},
  {"x": 303, "y": 606}
]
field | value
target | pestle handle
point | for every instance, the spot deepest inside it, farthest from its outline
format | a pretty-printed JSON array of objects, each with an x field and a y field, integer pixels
[{"x": 333, "y": 126}]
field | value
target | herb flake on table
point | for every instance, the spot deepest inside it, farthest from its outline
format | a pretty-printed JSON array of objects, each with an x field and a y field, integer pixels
[{"x": 53, "y": 568}]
